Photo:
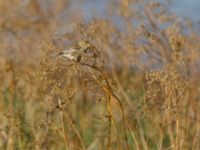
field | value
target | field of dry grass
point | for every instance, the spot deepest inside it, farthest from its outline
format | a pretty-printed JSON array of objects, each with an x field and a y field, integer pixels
[{"x": 135, "y": 86}]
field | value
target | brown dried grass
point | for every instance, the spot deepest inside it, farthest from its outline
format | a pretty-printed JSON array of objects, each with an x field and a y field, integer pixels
[{"x": 140, "y": 91}]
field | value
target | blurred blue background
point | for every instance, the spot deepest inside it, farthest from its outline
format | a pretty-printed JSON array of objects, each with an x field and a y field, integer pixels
[
  {"x": 187, "y": 8},
  {"x": 182, "y": 8}
]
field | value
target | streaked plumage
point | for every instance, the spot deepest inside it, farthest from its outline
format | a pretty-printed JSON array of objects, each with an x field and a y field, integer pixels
[{"x": 75, "y": 53}]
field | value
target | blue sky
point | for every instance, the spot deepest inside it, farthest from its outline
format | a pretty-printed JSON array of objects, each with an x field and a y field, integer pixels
[
  {"x": 187, "y": 8},
  {"x": 183, "y": 8}
]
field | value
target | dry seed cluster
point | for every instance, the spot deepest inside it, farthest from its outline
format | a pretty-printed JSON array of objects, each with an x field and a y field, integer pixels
[{"x": 164, "y": 89}]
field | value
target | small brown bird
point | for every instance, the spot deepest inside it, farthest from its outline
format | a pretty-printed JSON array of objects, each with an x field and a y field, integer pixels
[{"x": 75, "y": 53}]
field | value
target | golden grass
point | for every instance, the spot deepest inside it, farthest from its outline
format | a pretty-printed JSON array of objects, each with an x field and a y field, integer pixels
[{"x": 134, "y": 87}]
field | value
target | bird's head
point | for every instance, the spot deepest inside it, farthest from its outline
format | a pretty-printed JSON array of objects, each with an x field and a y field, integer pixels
[{"x": 84, "y": 44}]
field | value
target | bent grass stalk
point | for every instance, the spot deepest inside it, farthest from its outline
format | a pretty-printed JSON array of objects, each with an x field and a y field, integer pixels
[
  {"x": 108, "y": 91},
  {"x": 63, "y": 126}
]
